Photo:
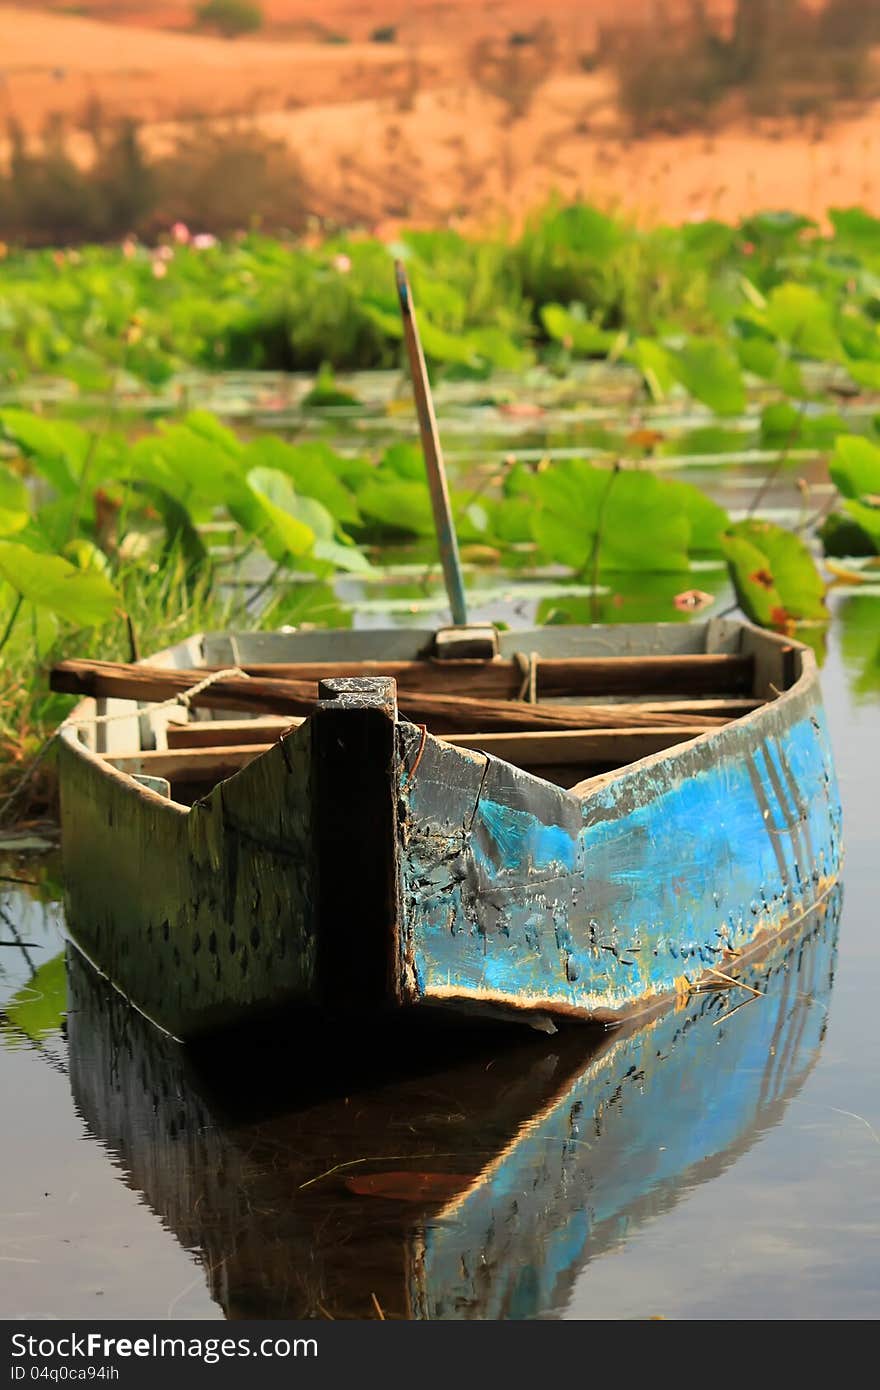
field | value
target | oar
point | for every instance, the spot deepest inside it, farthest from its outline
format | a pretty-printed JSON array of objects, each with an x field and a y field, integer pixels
[{"x": 445, "y": 527}]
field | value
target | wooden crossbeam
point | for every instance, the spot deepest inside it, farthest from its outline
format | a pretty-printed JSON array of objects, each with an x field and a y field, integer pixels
[
  {"x": 548, "y": 748},
  {"x": 555, "y": 676},
  {"x": 221, "y": 733},
  {"x": 208, "y": 732}
]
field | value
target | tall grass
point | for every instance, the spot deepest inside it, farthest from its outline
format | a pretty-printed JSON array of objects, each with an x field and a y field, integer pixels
[{"x": 160, "y": 608}]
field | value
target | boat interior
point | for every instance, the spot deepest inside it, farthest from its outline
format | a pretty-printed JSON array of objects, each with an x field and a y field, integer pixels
[{"x": 564, "y": 703}]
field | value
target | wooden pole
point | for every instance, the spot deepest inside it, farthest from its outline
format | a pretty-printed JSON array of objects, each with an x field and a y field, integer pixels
[
  {"x": 443, "y": 521},
  {"x": 116, "y": 680}
]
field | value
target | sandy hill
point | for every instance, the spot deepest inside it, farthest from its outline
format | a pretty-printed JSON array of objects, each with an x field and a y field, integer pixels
[{"x": 424, "y": 127}]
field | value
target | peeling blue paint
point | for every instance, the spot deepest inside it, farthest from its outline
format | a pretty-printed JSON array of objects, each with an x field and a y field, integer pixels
[
  {"x": 523, "y": 841},
  {"x": 516, "y": 889}
]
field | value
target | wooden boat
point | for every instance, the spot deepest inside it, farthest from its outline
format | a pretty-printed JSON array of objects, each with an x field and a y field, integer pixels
[
  {"x": 462, "y": 1180},
  {"x": 576, "y": 822},
  {"x": 566, "y": 822}
]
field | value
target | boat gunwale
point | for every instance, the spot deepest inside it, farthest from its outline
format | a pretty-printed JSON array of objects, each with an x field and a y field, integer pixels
[
  {"x": 84, "y": 715},
  {"x": 807, "y": 680}
]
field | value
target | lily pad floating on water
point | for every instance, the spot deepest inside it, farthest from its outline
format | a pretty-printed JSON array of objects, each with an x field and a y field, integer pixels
[
  {"x": 591, "y": 518},
  {"x": 326, "y": 393},
  {"x": 634, "y": 598},
  {"x": 843, "y": 537}
]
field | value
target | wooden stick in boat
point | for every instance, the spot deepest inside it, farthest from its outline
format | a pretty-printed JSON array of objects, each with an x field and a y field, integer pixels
[
  {"x": 445, "y": 713},
  {"x": 555, "y": 676},
  {"x": 443, "y": 522},
  {"x": 120, "y": 681}
]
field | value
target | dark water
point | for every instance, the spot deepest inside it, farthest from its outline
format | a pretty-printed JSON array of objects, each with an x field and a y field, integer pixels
[
  {"x": 723, "y": 1163},
  {"x": 717, "y": 1164}
]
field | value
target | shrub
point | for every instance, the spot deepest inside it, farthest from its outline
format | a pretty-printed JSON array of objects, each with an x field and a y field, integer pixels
[
  {"x": 221, "y": 178},
  {"x": 229, "y": 177},
  {"x": 784, "y": 58},
  {"x": 230, "y": 17},
  {"x": 513, "y": 69},
  {"x": 386, "y": 33},
  {"x": 49, "y": 198}
]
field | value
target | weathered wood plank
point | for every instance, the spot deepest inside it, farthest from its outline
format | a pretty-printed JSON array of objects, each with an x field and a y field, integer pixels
[
  {"x": 569, "y": 747},
  {"x": 204, "y": 916},
  {"x": 585, "y": 899},
  {"x": 552, "y": 748},
  {"x": 226, "y": 732},
  {"x": 191, "y": 764},
  {"x": 554, "y": 677},
  {"x": 445, "y": 713},
  {"x": 655, "y": 675},
  {"x": 361, "y": 966},
  {"x": 158, "y": 683}
]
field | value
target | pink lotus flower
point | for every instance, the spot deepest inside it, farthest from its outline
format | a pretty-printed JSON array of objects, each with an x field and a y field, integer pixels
[
  {"x": 203, "y": 241},
  {"x": 341, "y": 263},
  {"x": 693, "y": 600},
  {"x": 164, "y": 253},
  {"x": 160, "y": 270},
  {"x": 180, "y": 233},
  {"x": 129, "y": 248}
]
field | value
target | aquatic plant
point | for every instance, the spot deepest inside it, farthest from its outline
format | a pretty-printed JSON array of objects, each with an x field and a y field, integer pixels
[{"x": 763, "y": 335}]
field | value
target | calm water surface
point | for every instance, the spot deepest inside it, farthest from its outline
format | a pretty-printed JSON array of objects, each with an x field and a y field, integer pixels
[{"x": 721, "y": 1163}]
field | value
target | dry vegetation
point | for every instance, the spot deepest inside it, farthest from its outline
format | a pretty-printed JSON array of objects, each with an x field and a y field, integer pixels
[
  {"x": 222, "y": 177},
  {"x": 405, "y": 109},
  {"x": 775, "y": 58}
]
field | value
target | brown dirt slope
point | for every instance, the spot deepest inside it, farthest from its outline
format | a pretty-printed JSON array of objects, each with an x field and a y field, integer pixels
[{"x": 422, "y": 129}]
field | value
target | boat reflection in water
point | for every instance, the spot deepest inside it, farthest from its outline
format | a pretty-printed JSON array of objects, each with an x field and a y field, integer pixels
[{"x": 479, "y": 1179}]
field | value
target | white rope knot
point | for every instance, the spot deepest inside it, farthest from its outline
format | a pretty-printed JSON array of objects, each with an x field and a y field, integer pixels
[{"x": 528, "y": 666}]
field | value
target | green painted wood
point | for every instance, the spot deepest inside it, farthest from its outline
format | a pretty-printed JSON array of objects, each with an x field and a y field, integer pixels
[{"x": 201, "y": 917}]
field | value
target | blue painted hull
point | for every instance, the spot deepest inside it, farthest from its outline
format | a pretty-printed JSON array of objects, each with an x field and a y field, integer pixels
[
  {"x": 518, "y": 893},
  {"x": 360, "y": 864}
]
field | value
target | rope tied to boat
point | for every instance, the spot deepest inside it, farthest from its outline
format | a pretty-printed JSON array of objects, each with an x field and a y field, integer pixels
[
  {"x": 408, "y": 776},
  {"x": 183, "y": 698},
  {"x": 528, "y": 665}
]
